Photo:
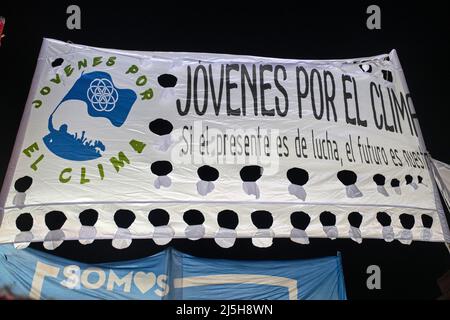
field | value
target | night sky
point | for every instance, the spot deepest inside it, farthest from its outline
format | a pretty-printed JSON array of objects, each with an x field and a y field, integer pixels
[{"x": 310, "y": 30}]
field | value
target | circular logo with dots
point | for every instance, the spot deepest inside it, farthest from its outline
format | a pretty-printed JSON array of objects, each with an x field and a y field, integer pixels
[{"x": 102, "y": 95}]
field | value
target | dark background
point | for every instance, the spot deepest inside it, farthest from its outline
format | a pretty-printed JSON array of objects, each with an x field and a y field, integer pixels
[{"x": 308, "y": 30}]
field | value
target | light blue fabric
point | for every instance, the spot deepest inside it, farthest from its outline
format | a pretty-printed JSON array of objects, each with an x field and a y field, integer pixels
[{"x": 169, "y": 275}]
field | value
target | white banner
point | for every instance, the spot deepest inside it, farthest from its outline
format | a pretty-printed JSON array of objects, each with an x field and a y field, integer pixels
[
  {"x": 441, "y": 173},
  {"x": 122, "y": 144}
]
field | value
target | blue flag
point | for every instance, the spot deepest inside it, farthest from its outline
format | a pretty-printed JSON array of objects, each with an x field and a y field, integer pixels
[
  {"x": 103, "y": 99},
  {"x": 169, "y": 274}
]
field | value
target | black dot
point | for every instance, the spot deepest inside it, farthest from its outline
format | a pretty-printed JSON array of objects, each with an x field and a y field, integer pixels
[
  {"x": 387, "y": 75},
  {"x": 355, "y": 219},
  {"x": 408, "y": 179},
  {"x": 300, "y": 220},
  {"x": 193, "y": 217},
  {"x": 57, "y": 62},
  {"x": 384, "y": 219},
  {"x": 23, "y": 184},
  {"x": 24, "y": 222},
  {"x": 379, "y": 179},
  {"x": 327, "y": 218},
  {"x": 297, "y": 176},
  {"x": 167, "y": 80},
  {"x": 124, "y": 218},
  {"x": 395, "y": 183},
  {"x": 407, "y": 221},
  {"x": 158, "y": 217},
  {"x": 347, "y": 177},
  {"x": 160, "y": 127},
  {"x": 366, "y": 67},
  {"x": 88, "y": 217},
  {"x": 228, "y": 219},
  {"x": 262, "y": 219},
  {"x": 207, "y": 173},
  {"x": 427, "y": 221},
  {"x": 419, "y": 179},
  {"x": 251, "y": 173},
  {"x": 55, "y": 220},
  {"x": 161, "y": 168}
]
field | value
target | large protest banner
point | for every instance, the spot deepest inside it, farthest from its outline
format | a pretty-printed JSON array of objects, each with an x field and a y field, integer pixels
[
  {"x": 36, "y": 275},
  {"x": 123, "y": 144}
]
